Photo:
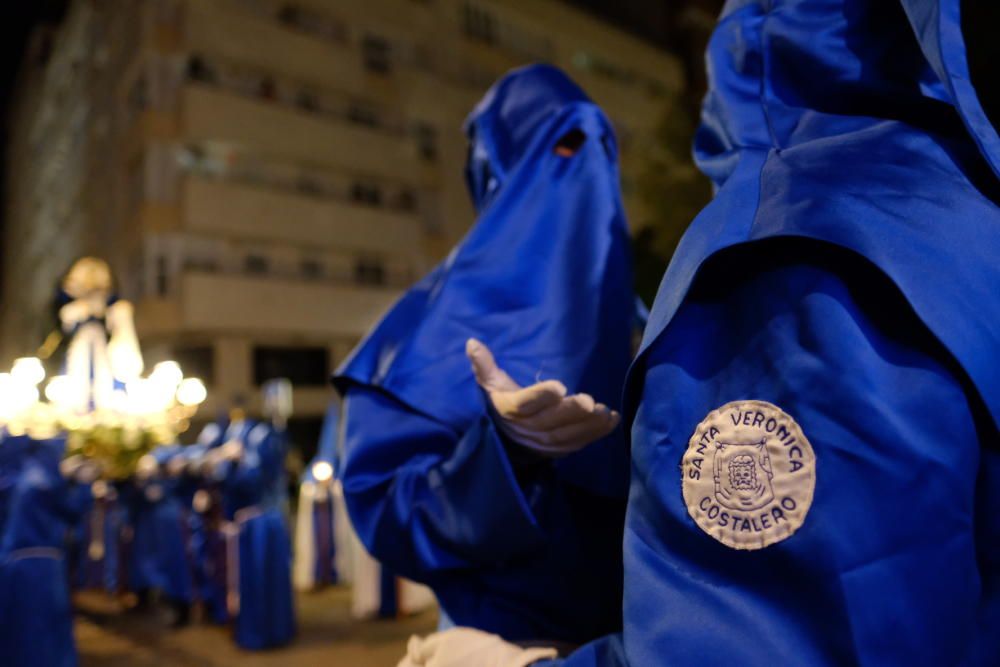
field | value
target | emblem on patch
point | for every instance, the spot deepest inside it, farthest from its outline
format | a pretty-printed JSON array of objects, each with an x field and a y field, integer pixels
[{"x": 748, "y": 475}]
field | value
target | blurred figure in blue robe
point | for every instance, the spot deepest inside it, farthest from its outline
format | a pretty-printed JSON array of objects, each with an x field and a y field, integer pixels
[
  {"x": 814, "y": 409},
  {"x": 259, "y": 550},
  {"x": 36, "y": 619},
  {"x": 99, "y": 539},
  {"x": 159, "y": 556},
  {"x": 199, "y": 490},
  {"x": 516, "y": 532}
]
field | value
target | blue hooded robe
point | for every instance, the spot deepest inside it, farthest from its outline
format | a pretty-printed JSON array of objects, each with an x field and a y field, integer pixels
[
  {"x": 847, "y": 272},
  {"x": 510, "y": 543},
  {"x": 207, "y": 544},
  {"x": 254, "y": 497},
  {"x": 160, "y": 559},
  {"x": 36, "y": 618}
]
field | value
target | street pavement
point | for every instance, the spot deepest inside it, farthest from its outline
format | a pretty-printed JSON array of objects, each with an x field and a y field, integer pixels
[{"x": 109, "y": 637}]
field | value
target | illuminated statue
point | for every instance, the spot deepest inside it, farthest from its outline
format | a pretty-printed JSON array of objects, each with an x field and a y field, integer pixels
[{"x": 102, "y": 347}]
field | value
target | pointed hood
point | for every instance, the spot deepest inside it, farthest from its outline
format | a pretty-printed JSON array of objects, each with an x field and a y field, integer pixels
[{"x": 543, "y": 277}]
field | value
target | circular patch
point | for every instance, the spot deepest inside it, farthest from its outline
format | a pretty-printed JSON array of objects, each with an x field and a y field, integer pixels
[{"x": 748, "y": 475}]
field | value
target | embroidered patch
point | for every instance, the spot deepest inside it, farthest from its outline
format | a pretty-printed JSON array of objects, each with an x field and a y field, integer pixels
[{"x": 748, "y": 475}]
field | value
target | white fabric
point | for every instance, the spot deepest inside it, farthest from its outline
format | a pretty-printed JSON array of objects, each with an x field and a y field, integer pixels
[
  {"x": 87, "y": 363},
  {"x": 467, "y": 647},
  {"x": 540, "y": 417},
  {"x": 123, "y": 349},
  {"x": 342, "y": 532},
  {"x": 303, "y": 572},
  {"x": 356, "y": 566},
  {"x": 366, "y": 593}
]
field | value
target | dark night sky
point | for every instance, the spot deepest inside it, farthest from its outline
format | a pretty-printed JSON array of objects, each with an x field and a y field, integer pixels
[{"x": 19, "y": 19}]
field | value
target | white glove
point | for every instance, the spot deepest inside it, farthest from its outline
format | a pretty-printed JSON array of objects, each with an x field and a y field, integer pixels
[
  {"x": 540, "y": 417},
  {"x": 467, "y": 647}
]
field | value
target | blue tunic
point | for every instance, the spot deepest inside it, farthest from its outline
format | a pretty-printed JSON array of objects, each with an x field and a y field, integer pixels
[
  {"x": 159, "y": 557},
  {"x": 36, "y": 619},
  {"x": 254, "y": 498},
  {"x": 509, "y": 543},
  {"x": 852, "y": 162}
]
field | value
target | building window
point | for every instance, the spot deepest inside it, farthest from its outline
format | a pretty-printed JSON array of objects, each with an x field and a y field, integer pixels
[
  {"x": 307, "y": 101},
  {"x": 196, "y": 361},
  {"x": 369, "y": 271},
  {"x": 256, "y": 264},
  {"x": 362, "y": 115},
  {"x": 314, "y": 23},
  {"x": 366, "y": 193},
  {"x": 267, "y": 90},
  {"x": 291, "y": 16},
  {"x": 162, "y": 279},
  {"x": 427, "y": 142},
  {"x": 405, "y": 200},
  {"x": 201, "y": 264},
  {"x": 138, "y": 96},
  {"x": 376, "y": 54},
  {"x": 198, "y": 70},
  {"x": 479, "y": 23},
  {"x": 312, "y": 269},
  {"x": 308, "y": 185},
  {"x": 304, "y": 366},
  {"x": 303, "y": 434}
]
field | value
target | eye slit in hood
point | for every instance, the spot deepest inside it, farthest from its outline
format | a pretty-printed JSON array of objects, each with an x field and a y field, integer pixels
[
  {"x": 502, "y": 125},
  {"x": 570, "y": 143}
]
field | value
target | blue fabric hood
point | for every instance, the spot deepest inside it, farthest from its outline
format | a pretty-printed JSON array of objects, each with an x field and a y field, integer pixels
[
  {"x": 855, "y": 122},
  {"x": 544, "y": 276}
]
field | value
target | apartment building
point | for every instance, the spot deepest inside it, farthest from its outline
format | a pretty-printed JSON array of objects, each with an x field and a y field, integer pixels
[{"x": 267, "y": 176}]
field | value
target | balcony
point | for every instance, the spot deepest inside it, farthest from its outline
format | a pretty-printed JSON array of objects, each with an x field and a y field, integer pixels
[
  {"x": 232, "y": 33},
  {"x": 264, "y": 214},
  {"x": 218, "y": 303},
  {"x": 286, "y": 134}
]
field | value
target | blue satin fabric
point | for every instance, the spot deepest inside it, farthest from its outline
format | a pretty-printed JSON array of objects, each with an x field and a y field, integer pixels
[
  {"x": 845, "y": 271},
  {"x": 508, "y": 543},
  {"x": 36, "y": 619}
]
